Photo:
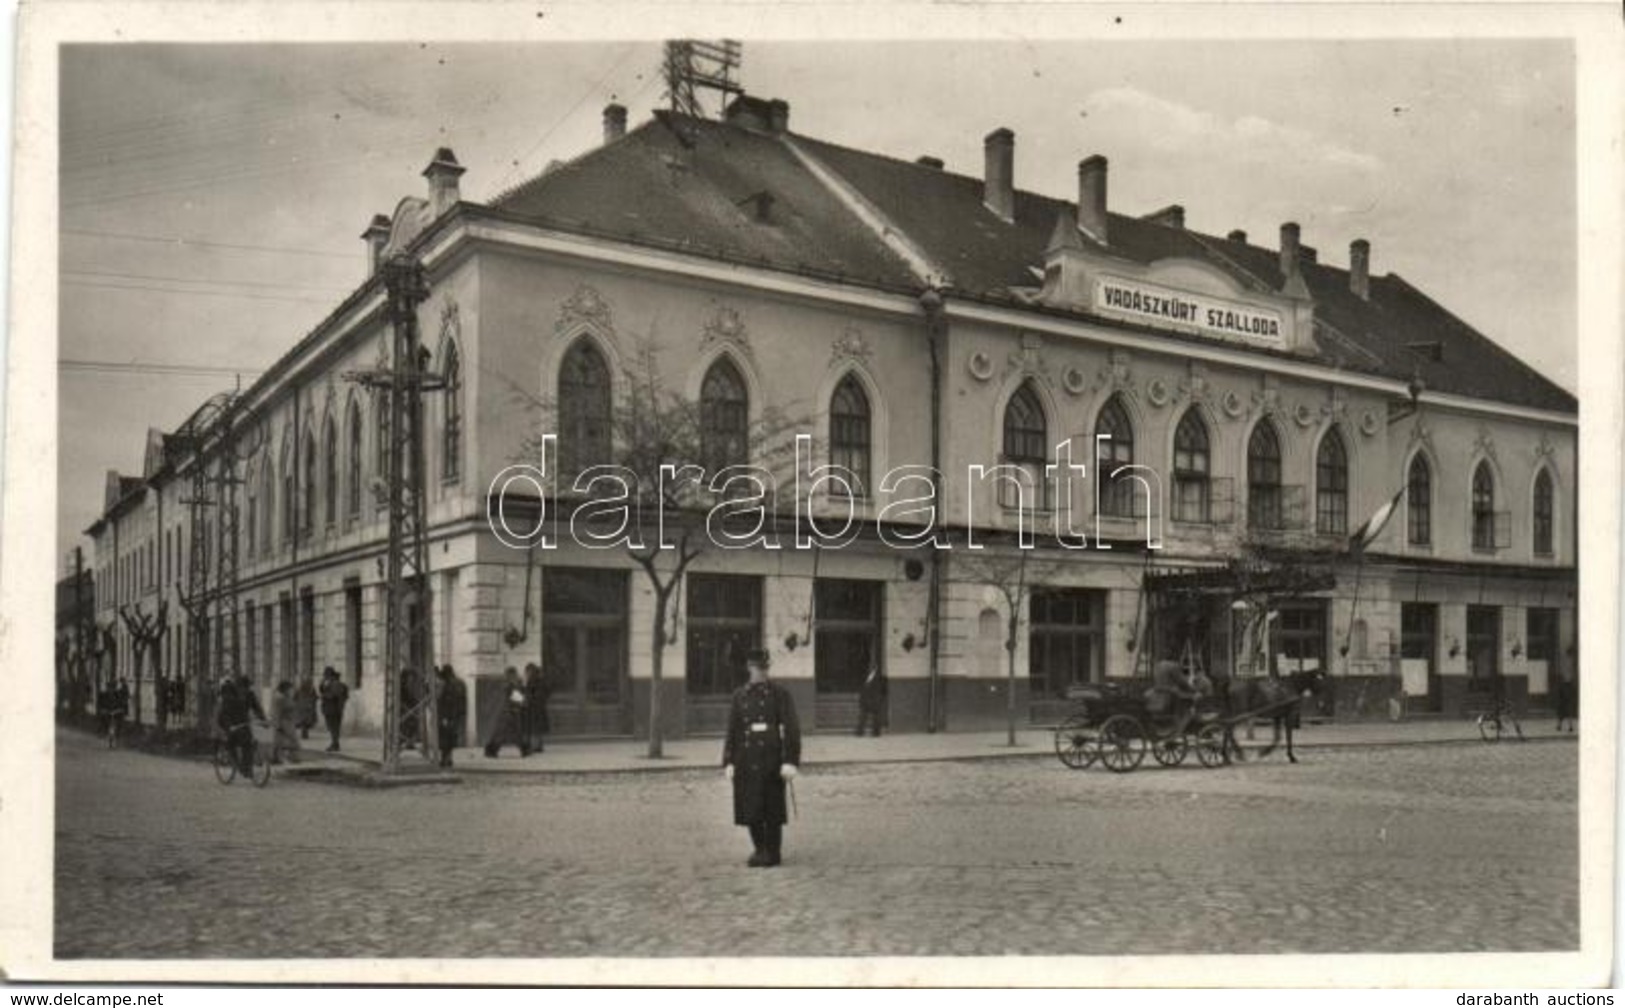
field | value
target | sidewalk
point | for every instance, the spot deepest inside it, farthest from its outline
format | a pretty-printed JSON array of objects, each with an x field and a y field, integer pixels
[{"x": 627, "y": 755}]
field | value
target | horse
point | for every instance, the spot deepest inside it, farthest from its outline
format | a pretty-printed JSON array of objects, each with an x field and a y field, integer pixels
[{"x": 1283, "y": 698}]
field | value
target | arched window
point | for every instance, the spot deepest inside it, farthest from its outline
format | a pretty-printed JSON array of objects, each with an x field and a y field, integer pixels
[
  {"x": 353, "y": 503},
  {"x": 380, "y": 440},
  {"x": 1483, "y": 507},
  {"x": 290, "y": 497},
  {"x": 309, "y": 489},
  {"x": 1025, "y": 442},
  {"x": 1332, "y": 485},
  {"x": 268, "y": 496},
  {"x": 1543, "y": 514},
  {"x": 451, "y": 441},
  {"x": 849, "y": 431},
  {"x": 330, "y": 470},
  {"x": 1419, "y": 502},
  {"x": 1264, "y": 509},
  {"x": 585, "y": 408},
  {"x": 251, "y": 530},
  {"x": 1192, "y": 492},
  {"x": 1116, "y": 492},
  {"x": 724, "y": 417}
]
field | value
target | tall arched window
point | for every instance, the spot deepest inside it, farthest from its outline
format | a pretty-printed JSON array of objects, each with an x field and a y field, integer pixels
[
  {"x": 1543, "y": 514},
  {"x": 268, "y": 497},
  {"x": 290, "y": 496},
  {"x": 585, "y": 406},
  {"x": 1483, "y": 507},
  {"x": 849, "y": 431},
  {"x": 724, "y": 417},
  {"x": 309, "y": 489},
  {"x": 1332, "y": 485},
  {"x": 1026, "y": 436},
  {"x": 1116, "y": 493},
  {"x": 1264, "y": 510},
  {"x": 451, "y": 440},
  {"x": 353, "y": 502},
  {"x": 380, "y": 439},
  {"x": 1419, "y": 502},
  {"x": 330, "y": 470},
  {"x": 252, "y": 487},
  {"x": 1192, "y": 491}
]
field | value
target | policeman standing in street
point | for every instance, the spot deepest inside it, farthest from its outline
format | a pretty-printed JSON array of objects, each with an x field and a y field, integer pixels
[{"x": 760, "y": 757}]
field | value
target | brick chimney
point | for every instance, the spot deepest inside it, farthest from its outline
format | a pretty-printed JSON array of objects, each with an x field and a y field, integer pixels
[
  {"x": 1169, "y": 216},
  {"x": 998, "y": 185},
  {"x": 928, "y": 161},
  {"x": 376, "y": 237},
  {"x": 614, "y": 122},
  {"x": 1291, "y": 268},
  {"x": 442, "y": 174},
  {"x": 778, "y": 116},
  {"x": 1092, "y": 197},
  {"x": 1238, "y": 235},
  {"x": 758, "y": 114},
  {"x": 1360, "y": 268}
]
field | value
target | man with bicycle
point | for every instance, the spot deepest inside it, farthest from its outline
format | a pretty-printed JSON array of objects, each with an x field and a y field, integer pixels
[{"x": 237, "y": 704}]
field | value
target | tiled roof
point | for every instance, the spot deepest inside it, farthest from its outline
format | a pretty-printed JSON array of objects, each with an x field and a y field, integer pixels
[{"x": 693, "y": 183}]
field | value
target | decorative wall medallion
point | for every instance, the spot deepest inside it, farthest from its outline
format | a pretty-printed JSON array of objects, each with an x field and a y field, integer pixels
[
  {"x": 1369, "y": 424},
  {"x": 1157, "y": 392},
  {"x": 1484, "y": 442},
  {"x": 850, "y": 345},
  {"x": 585, "y": 307},
  {"x": 1545, "y": 449},
  {"x": 1232, "y": 404},
  {"x": 1074, "y": 380},
  {"x": 1303, "y": 415},
  {"x": 1029, "y": 360},
  {"x": 726, "y": 328},
  {"x": 980, "y": 366}
]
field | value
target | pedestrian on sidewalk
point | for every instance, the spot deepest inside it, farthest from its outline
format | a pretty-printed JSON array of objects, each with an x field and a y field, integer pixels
[
  {"x": 451, "y": 711},
  {"x": 334, "y": 695},
  {"x": 1566, "y": 705},
  {"x": 285, "y": 719},
  {"x": 760, "y": 757},
  {"x": 872, "y": 701},
  {"x": 510, "y": 726},
  {"x": 537, "y": 693},
  {"x": 304, "y": 704}
]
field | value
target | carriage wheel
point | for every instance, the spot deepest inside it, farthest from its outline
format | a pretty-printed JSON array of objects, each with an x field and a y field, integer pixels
[
  {"x": 1210, "y": 746},
  {"x": 1170, "y": 751},
  {"x": 1122, "y": 743},
  {"x": 1076, "y": 742}
]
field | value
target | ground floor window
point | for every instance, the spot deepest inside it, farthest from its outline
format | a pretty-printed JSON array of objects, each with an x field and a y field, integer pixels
[
  {"x": 724, "y": 622},
  {"x": 848, "y": 618},
  {"x": 584, "y": 636},
  {"x": 1541, "y": 644},
  {"x": 1300, "y": 638},
  {"x": 1419, "y": 632},
  {"x": 1066, "y": 639},
  {"x": 290, "y": 637}
]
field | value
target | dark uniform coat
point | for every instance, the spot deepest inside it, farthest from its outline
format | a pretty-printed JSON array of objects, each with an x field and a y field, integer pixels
[{"x": 763, "y": 733}]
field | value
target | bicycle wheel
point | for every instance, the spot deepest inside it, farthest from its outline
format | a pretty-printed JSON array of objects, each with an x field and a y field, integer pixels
[
  {"x": 262, "y": 766},
  {"x": 1076, "y": 742},
  {"x": 225, "y": 765},
  {"x": 1489, "y": 727}
]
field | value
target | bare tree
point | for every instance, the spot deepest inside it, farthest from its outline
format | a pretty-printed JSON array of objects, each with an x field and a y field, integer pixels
[
  {"x": 1008, "y": 575},
  {"x": 146, "y": 632},
  {"x": 670, "y": 466}
]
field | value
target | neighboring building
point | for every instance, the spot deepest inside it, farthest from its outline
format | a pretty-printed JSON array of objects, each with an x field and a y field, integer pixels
[{"x": 1270, "y": 394}]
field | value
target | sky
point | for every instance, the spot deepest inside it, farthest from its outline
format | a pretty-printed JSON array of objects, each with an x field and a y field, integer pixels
[{"x": 212, "y": 197}]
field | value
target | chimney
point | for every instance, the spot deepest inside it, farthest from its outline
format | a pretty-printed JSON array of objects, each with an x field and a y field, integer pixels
[
  {"x": 778, "y": 116},
  {"x": 1238, "y": 235},
  {"x": 1092, "y": 197},
  {"x": 928, "y": 161},
  {"x": 376, "y": 237},
  {"x": 1289, "y": 249},
  {"x": 999, "y": 157},
  {"x": 614, "y": 122},
  {"x": 1169, "y": 216},
  {"x": 758, "y": 114},
  {"x": 1360, "y": 268},
  {"x": 442, "y": 174}
]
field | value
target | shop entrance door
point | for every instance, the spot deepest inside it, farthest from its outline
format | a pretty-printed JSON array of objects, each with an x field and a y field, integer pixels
[
  {"x": 584, "y": 651},
  {"x": 849, "y": 616}
]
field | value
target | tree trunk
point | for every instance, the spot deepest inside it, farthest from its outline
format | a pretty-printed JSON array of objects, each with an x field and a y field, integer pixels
[
  {"x": 140, "y": 660},
  {"x": 1010, "y": 684},
  {"x": 657, "y": 658}
]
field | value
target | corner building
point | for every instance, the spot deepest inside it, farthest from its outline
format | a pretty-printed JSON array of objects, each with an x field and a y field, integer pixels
[{"x": 913, "y": 317}]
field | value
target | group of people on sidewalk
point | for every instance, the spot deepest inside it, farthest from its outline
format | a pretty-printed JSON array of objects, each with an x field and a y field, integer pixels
[
  {"x": 292, "y": 715},
  {"x": 522, "y": 721}
]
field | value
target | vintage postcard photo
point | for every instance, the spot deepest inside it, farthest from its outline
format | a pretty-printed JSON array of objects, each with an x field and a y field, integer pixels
[{"x": 612, "y": 498}]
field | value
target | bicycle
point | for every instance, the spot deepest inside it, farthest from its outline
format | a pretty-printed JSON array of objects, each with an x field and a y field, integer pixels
[
  {"x": 115, "y": 728},
  {"x": 1493, "y": 722},
  {"x": 225, "y": 761}
]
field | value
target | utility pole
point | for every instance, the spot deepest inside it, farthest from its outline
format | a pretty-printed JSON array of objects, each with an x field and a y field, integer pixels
[
  {"x": 409, "y": 639},
  {"x": 194, "y": 594}
]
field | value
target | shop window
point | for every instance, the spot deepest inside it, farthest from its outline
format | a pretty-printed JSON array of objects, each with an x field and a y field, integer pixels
[
  {"x": 724, "y": 616},
  {"x": 1066, "y": 640}
]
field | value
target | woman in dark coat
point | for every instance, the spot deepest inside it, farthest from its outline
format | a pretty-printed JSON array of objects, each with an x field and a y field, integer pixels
[
  {"x": 304, "y": 704},
  {"x": 760, "y": 756},
  {"x": 537, "y": 692}
]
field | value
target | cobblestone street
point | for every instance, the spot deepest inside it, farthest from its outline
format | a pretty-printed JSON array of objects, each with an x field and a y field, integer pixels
[{"x": 1365, "y": 849}]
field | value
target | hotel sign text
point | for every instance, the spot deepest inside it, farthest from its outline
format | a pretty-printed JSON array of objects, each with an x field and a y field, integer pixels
[{"x": 1160, "y": 306}]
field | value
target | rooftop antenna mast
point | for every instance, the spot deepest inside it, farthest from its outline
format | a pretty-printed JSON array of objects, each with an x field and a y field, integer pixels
[{"x": 693, "y": 64}]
